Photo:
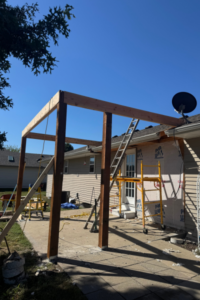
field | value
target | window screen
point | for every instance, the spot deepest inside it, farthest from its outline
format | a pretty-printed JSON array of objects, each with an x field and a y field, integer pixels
[
  {"x": 92, "y": 162},
  {"x": 11, "y": 158}
]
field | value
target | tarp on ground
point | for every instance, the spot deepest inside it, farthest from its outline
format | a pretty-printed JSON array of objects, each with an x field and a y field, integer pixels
[{"x": 69, "y": 205}]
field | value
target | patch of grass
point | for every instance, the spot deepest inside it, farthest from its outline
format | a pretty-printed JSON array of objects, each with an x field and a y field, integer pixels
[
  {"x": 16, "y": 239},
  {"x": 49, "y": 284}
]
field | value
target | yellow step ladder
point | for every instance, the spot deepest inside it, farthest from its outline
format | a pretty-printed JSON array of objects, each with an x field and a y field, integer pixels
[{"x": 35, "y": 204}]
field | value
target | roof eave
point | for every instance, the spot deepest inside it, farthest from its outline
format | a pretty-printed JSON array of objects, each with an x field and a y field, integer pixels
[{"x": 187, "y": 131}]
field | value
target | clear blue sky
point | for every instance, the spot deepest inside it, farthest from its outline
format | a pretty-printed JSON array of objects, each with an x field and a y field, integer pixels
[{"x": 135, "y": 53}]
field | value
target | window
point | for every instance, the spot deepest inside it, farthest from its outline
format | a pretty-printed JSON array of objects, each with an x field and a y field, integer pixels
[
  {"x": 130, "y": 172},
  {"x": 66, "y": 167},
  {"x": 92, "y": 161},
  {"x": 11, "y": 158}
]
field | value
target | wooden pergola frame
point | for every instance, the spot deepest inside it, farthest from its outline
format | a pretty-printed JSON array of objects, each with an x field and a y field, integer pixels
[{"x": 60, "y": 102}]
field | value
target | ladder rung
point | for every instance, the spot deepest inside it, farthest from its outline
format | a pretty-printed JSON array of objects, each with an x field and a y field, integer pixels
[{"x": 113, "y": 166}]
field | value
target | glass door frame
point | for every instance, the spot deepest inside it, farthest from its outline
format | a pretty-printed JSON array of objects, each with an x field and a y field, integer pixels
[{"x": 128, "y": 152}]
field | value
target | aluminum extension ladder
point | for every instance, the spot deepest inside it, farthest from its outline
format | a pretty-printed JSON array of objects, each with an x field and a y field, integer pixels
[{"x": 116, "y": 163}]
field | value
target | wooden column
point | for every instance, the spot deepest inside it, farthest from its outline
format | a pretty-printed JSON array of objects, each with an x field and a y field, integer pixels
[
  {"x": 20, "y": 173},
  {"x": 54, "y": 223},
  {"x": 105, "y": 181}
]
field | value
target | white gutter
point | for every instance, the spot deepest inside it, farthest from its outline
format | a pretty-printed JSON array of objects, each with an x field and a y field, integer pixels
[
  {"x": 186, "y": 131},
  {"x": 141, "y": 139},
  {"x": 137, "y": 140},
  {"x": 82, "y": 153}
]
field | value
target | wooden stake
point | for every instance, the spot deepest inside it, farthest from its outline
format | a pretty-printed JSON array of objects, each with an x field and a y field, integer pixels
[
  {"x": 105, "y": 181},
  {"x": 54, "y": 223},
  {"x": 20, "y": 173}
]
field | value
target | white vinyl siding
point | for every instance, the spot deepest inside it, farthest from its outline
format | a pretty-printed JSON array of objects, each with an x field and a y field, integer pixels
[
  {"x": 192, "y": 164},
  {"x": 79, "y": 181},
  {"x": 8, "y": 177}
]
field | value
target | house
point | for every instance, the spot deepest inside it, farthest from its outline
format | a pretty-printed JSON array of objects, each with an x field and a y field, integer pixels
[
  {"x": 178, "y": 151},
  {"x": 9, "y": 163}
]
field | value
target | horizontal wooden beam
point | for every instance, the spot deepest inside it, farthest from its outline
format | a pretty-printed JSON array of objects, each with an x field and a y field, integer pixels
[
  {"x": 48, "y": 137},
  {"x": 99, "y": 105},
  {"x": 120, "y": 110},
  {"x": 45, "y": 111}
]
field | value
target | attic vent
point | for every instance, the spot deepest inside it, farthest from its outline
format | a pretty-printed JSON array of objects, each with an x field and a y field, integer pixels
[
  {"x": 39, "y": 159},
  {"x": 11, "y": 158}
]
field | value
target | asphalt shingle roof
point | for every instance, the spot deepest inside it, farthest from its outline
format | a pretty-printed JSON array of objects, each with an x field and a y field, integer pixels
[
  {"x": 31, "y": 159},
  {"x": 139, "y": 133}
]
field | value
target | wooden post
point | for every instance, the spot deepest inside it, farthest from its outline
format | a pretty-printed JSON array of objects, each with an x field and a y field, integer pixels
[
  {"x": 54, "y": 223},
  {"x": 105, "y": 181},
  {"x": 20, "y": 173}
]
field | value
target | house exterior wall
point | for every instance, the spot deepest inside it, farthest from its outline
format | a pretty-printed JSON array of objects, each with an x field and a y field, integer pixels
[
  {"x": 170, "y": 157},
  {"x": 192, "y": 168},
  {"x": 79, "y": 180},
  {"x": 8, "y": 176}
]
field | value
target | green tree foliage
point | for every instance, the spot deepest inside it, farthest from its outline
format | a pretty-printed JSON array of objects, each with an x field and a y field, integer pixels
[
  {"x": 29, "y": 41},
  {"x": 68, "y": 147},
  {"x": 2, "y": 139},
  {"x": 13, "y": 148}
]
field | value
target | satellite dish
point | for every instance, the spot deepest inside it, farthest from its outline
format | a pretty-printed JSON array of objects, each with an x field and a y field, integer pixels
[{"x": 184, "y": 102}]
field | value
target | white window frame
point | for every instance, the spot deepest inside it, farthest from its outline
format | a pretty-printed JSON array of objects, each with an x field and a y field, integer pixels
[
  {"x": 67, "y": 166},
  {"x": 92, "y": 164}
]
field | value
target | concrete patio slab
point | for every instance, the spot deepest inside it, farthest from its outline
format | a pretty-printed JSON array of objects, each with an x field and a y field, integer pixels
[
  {"x": 115, "y": 277},
  {"x": 174, "y": 276},
  {"x": 191, "y": 287},
  {"x": 107, "y": 293},
  {"x": 150, "y": 296},
  {"x": 152, "y": 267},
  {"x": 152, "y": 282},
  {"x": 89, "y": 284},
  {"x": 174, "y": 293},
  {"x": 131, "y": 290},
  {"x": 136, "y": 270},
  {"x": 133, "y": 267}
]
